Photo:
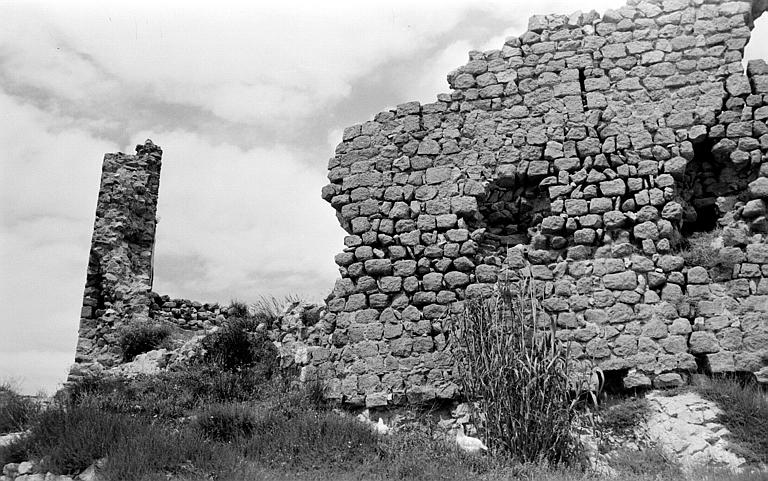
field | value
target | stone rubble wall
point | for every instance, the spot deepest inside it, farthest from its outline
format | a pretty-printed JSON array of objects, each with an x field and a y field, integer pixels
[
  {"x": 186, "y": 314},
  {"x": 583, "y": 152}
]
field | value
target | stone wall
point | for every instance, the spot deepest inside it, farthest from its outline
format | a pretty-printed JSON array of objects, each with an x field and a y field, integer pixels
[
  {"x": 119, "y": 277},
  {"x": 584, "y": 152}
]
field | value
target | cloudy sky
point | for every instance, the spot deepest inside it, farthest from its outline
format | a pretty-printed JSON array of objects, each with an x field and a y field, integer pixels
[{"x": 247, "y": 101}]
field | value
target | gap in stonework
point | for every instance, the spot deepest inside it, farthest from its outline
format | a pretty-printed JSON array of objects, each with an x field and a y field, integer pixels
[{"x": 757, "y": 47}]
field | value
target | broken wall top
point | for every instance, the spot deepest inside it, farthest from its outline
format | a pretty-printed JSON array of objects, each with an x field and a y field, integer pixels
[{"x": 584, "y": 151}]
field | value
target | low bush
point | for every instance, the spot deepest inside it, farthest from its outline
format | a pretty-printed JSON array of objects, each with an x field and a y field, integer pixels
[
  {"x": 518, "y": 372},
  {"x": 745, "y": 414},
  {"x": 238, "y": 345},
  {"x": 142, "y": 337},
  {"x": 16, "y": 411}
]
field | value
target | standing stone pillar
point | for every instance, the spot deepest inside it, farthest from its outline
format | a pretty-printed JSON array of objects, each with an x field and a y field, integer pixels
[{"x": 118, "y": 283}]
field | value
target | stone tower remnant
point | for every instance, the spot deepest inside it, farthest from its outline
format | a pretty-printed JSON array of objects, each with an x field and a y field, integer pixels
[
  {"x": 118, "y": 282},
  {"x": 584, "y": 151}
]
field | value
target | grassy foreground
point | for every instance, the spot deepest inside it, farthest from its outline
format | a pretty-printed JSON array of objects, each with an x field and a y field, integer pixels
[
  {"x": 229, "y": 413},
  {"x": 192, "y": 425}
]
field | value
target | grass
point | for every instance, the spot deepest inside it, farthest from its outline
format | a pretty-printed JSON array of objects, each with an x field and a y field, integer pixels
[
  {"x": 623, "y": 416},
  {"x": 745, "y": 414},
  {"x": 286, "y": 434},
  {"x": 518, "y": 374},
  {"x": 16, "y": 411}
]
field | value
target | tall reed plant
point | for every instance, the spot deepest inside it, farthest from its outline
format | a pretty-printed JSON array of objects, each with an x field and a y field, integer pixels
[{"x": 512, "y": 365}]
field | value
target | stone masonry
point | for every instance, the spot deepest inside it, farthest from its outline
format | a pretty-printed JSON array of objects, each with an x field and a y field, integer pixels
[
  {"x": 119, "y": 278},
  {"x": 584, "y": 153}
]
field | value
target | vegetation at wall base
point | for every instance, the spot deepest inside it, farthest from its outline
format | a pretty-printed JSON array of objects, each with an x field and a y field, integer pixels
[
  {"x": 200, "y": 421},
  {"x": 142, "y": 337},
  {"x": 745, "y": 414},
  {"x": 517, "y": 371},
  {"x": 239, "y": 344}
]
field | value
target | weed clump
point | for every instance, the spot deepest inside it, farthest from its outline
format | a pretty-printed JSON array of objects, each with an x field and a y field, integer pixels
[
  {"x": 518, "y": 373},
  {"x": 143, "y": 337},
  {"x": 699, "y": 249}
]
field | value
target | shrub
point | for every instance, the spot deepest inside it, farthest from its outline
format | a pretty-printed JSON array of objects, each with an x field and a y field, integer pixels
[
  {"x": 238, "y": 345},
  {"x": 16, "y": 411},
  {"x": 239, "y": 309},
  {"x": 518, "y": 372},
  {"x": 142, "y": 337},
  {"x": 225, "y": 422},
  {"x": 745, "y": 414}
]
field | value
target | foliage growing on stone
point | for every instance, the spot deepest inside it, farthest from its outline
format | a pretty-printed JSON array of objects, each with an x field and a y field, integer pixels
[
  {"x": 518, "y": 373},
  {"x": 143, "y": 337},
  {"x": 699, "y": 250},
  {"x": 268, "y": 309},
  {"x": 238, "y": 345},
  {"x": 238, "y": 308}
]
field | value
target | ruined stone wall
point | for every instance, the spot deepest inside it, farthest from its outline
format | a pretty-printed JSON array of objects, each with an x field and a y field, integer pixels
[
  {"x": 586, "y": 152},
  {"x": 118, "y": 281}
]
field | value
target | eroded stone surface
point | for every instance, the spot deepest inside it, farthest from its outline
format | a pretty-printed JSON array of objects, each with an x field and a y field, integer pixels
[{"x": 685, "y": 425}]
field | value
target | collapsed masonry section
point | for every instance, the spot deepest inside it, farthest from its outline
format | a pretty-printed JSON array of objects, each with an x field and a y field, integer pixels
[
  {"x": 119, "y": 277},
  {"x": 584, "y": 152}
]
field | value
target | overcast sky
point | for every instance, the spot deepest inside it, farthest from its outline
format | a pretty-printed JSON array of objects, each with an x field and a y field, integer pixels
[{"x": 247, "y": 101}]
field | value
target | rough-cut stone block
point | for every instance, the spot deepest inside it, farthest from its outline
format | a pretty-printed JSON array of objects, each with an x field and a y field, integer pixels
[
  {"x": 702, "y": 342},
  {"x": 620, "y": 281}
]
